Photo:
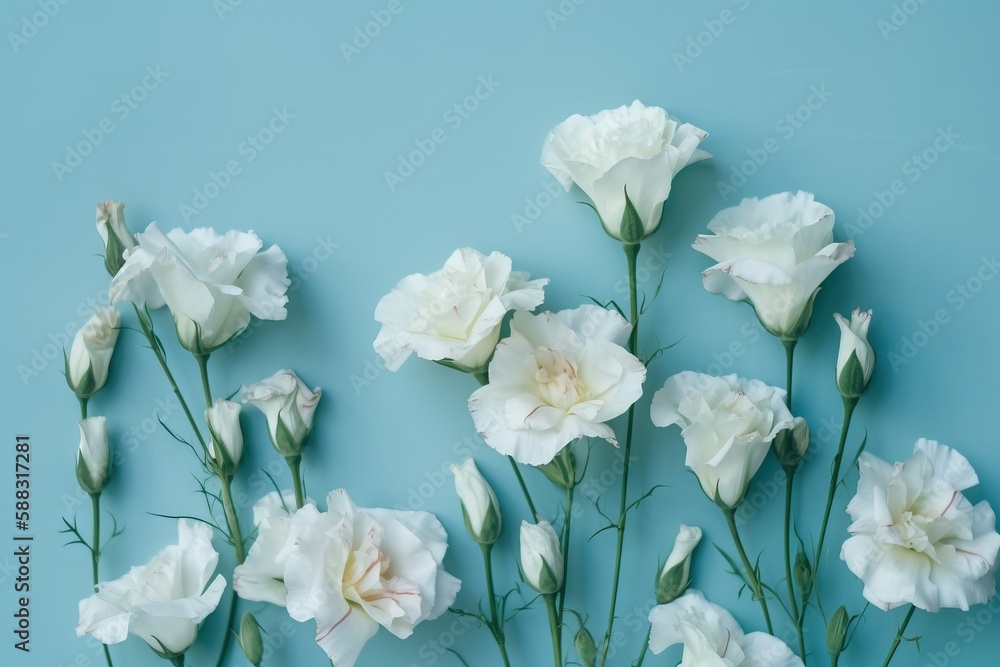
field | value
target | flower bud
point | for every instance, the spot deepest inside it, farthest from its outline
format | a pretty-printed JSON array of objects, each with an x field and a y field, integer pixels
[
  {"x": 802, "y": 573},
  {"x": 250, "y": 639},
  {"x": 675, "y": 575},
  {"x": 93, "y": 458},
  {"x": 585, "y": 647},
  {"x": 226, "y": 444},
  {"x": 791, "y": 445},
  {"x": 289, "y": 406},
  {"x": 116, "y": 236},
  {"x": 90, "y": 356},
  {"x": 836, "y": 631},
  {"x": 541, "y": 557},
  {"x": 856, "y": 359},
  {"x": 480, "y": 506}
]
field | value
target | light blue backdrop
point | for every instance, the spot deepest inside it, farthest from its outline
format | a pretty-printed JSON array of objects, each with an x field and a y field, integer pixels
[{"x": 156, "y": 99}]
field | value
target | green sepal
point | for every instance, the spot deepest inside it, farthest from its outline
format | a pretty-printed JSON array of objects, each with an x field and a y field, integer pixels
[
  {"x": 585, "y": 647},
  {"x": 285, "y": 442},
  {"x": 632, "y": 229},
  {"x": 851, "y": 381},
  {"x": 87, "y": 483},
  {"x": 113, "y": 261},
  {"x": 671, "y": 584},
  {"x": 250, "y": 640},
  {"x": 836, "y": 631}
]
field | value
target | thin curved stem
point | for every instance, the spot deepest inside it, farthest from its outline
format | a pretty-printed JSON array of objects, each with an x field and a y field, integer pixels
[
  {"x": 95, "y": 551},
  {"x": 899, "y": 636},
  {"x": 554, "y": 626},
  {"x": 789, "y": 359},
  {"x": 849, "y": 405},
  {"x": 793, "y": 603},
  {"x": 565, "y": 550},
  {"x": 642, "y": 653},
  {"x": 758, "y": 590},
  {"x": 631, "y": 253},
  {"x": 227, "y": 640},
  {"x": 496, "y": 624},
  {"x": 154, "y": 344}
]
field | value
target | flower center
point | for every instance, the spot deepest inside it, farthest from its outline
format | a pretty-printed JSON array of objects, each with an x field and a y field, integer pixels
[
  {"x": 558, "y": 383},
  {"x": 911, "y": 531},
  {"x": 362, "y": 580}
]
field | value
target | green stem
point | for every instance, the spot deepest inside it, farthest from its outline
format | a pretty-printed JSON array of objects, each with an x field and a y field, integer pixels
[
  {"x": 154, "y": 344},
  {"x": 642, "y": 653},
  {"x": 83, "y": 407},
  {"x": 228, "y": 638},
  {"x": 550, "y": 603},
  {"x": 793, "y": 603},
  {"x": 849, "y": 405},
  {"x": 524, "y": 489},
  {"x": 295, "y": 465},
  {"x": 789, "y": 358},
  {"x": 899, "y": 636},
  {"x": 565, "y": 549},
  {"x": 95, "y": 551},
  {"x": 496, "y": 625},
  {"x": 758, "y": 590},
  {"x": 231, "y": 518},
  {"x": 205, "y": 386},
  {"x": 177, "y": 661},
  {"x": 631, "y": 253}
]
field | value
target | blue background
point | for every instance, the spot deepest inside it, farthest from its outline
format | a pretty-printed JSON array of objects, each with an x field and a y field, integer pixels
[{"x": 883, "y": 79}]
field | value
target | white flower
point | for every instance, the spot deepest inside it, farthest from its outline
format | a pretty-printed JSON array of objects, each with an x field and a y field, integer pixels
[
  {"x": 727, "y": 424},
  {"x": 675, "y": 575},
  {"x": 90, "y": 355},
  {"x": 854, "y": 341},
  {"x": 773, "y": 252},
  {"x": 916, "y": 538},
  {"x": 712, "y": 638},
  {"x": 558, "y": 377},
  {"x": 163, "y": 602},
  {"x": 354, "y": 569},
  {"x": 224, "y": 423},
  {"x": 116, "y": 236},
  {"x": 261, "y": 578},
  {"x": 93, "y": 459},
  {"x": 479, "y": 503},
  {"x": 289, "y": 406},
  {"x": 541, "y": 557},
  {"x": 211, "y": 283},
  {"x": 455, "y": 312},
  {"x": 637, "y": 149}
]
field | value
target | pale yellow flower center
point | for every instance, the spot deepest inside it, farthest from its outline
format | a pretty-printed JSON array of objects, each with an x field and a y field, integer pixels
[{"x": 558, "y": 383}]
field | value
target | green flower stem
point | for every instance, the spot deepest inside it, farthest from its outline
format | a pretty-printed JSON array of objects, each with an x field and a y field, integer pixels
[
  {"x": 755, "y": 586},
  {"x": 793, "y": 604},
  {"x": 295, "y": 465},
  {"x": 789, "y": 358},
  {"x": 95, "y": 549},
  {"x": 849, "y": 405},
  {"x": 899, "y": 636},
  {"x": 177, "y": 661},
  {"x": 83, "y": 407},
  {"x": 642, "y": 653},
  {"x": 496, "y": 624},
  {"x": 631, "y": 253},
  {"x": 789, "y": 345},
  {"x": 550, "y": 603},
  {"x": 154, "y": 345},
  {"x": 232, "y": 519},
  {"x": 565, "y": 549}
]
